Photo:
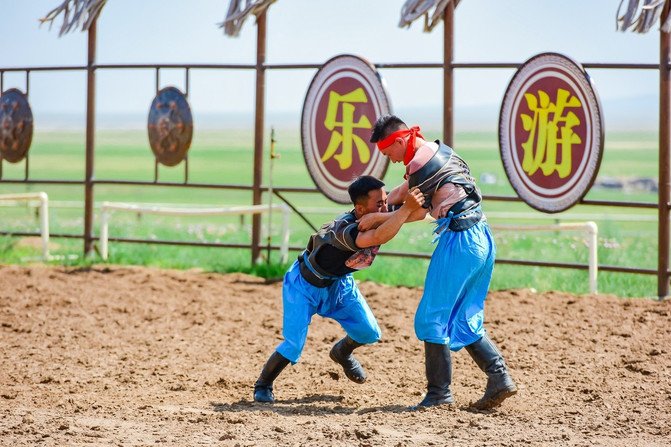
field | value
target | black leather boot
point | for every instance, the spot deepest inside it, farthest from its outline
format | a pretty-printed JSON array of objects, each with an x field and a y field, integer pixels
[
  {"x": 342, "y": 353},
  {"x": 438, "y": 363},
  {"x": 263, "y": 388},
  {"x": 500, "y": 385}
]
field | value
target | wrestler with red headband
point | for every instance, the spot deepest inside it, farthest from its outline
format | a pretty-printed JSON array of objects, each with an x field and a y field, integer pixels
[
  {"x": 407, "y": 138},
  {"x": 450, "y": 315}
]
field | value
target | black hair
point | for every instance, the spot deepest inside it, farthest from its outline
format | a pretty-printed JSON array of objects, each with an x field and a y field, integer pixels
[
  {"x": 385, "y": 126},
  {"x": 360, "y": 187}
]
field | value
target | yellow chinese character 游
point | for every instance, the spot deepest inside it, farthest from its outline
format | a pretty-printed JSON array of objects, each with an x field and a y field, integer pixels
[{"x": 549, "y": 127}]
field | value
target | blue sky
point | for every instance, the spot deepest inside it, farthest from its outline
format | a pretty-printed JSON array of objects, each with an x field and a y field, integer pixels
[{"x": 312, "y": 31}]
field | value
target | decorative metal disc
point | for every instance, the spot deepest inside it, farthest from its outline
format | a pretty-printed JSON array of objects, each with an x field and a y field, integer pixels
[
  {"x": 170, "y": 126},
  {"x": 551, "y": 132},
  {"x": 345, "y": 98},
  {"x": 16, "y": 125}
]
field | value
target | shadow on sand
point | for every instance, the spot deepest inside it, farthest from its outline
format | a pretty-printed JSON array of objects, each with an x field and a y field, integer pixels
[{"x": 314, "y": 405}]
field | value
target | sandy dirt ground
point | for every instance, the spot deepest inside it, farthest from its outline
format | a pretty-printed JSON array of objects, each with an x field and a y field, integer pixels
[{"x": 136, "y": 356}]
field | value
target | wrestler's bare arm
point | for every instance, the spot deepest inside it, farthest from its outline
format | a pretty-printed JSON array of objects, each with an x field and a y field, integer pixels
[
  {"x": 416, "y": 215},
  {"x": 413, "y": 200},
  {"x": 397, "y": 194},
  {"x": 373, "y": 220}
]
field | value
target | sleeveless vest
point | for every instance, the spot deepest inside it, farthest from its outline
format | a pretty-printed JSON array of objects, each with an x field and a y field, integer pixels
[
  {"x": 447, "y": 167},
  {"x": 337, "y": 234}
]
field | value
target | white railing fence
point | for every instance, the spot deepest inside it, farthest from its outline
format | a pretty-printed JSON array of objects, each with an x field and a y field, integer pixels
[
  {"x": 43, "y": 198},
  {"x": 107, "y": 209},
  {"x": 591, "y": 234}
]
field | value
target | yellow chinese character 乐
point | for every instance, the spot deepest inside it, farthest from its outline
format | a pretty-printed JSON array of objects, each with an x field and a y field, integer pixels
[{"x": 346, "y": 136}]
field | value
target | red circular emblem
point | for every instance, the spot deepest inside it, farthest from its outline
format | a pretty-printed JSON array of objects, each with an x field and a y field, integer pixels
[
  {"x": 344, "y": 100},
  {"x": 551, "y": 132}
]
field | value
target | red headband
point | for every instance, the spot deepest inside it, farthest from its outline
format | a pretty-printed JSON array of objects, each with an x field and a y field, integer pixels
[{"x": 410, "y": 148}]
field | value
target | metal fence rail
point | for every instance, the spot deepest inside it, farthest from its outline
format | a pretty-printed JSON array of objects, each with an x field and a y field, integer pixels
[{"x": 108, "y": 208}]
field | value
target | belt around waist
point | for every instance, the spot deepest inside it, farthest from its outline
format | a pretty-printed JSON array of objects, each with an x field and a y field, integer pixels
[{"x": 311, "y": 276}]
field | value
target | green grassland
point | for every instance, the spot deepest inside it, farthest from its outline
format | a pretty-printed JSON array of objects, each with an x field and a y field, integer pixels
[{"x": 627, "y": 237}]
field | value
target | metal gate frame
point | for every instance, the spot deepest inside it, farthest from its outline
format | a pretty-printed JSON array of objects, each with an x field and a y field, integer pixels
[{"x": 448, "y": 66}]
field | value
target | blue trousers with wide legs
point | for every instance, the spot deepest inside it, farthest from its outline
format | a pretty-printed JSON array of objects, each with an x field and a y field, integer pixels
[
  {"x": 342, "y": 301},
  {"x": 452, "y": 307}
]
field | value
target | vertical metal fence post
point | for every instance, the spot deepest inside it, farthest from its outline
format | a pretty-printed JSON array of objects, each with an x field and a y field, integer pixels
[
  {"x": 664, "y": 159},
  {"x": 448, "y": 75},
  {"x": 258, "y": 129},
  {"x": 90, "y": 131},
  {"x": 26, "y": 166},
  {"x": 2, "y": 90}
]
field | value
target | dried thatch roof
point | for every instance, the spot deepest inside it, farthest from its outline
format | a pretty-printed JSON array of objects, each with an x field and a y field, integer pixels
[
  {"x": 238, "y": 13},
  {"x": 83, "y": 13},
  {"x": 635, "y": 15},
  {"x": 75, "y": 13},
  {"x": 413, "y": 9},
  {"x": 641, "y": 15}
]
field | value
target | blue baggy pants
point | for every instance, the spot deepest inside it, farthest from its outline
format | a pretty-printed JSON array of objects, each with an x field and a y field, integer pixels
[
  {"x": 452, "y": 307},
  {"x": 342, "y": 301}
]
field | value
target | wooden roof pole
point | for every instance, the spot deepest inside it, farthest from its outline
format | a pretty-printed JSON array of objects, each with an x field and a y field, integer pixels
[
  {"x": 664, "y": 158},
  {"x": 259, "y": 109}
]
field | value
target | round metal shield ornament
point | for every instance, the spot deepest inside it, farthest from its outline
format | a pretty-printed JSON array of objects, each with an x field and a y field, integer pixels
[
  {"x": 344, "y": 100},
  {"x": 16, "y": 125},
  {"x": 551, "y": 132},
  {"x": 170, "y": 126}
]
